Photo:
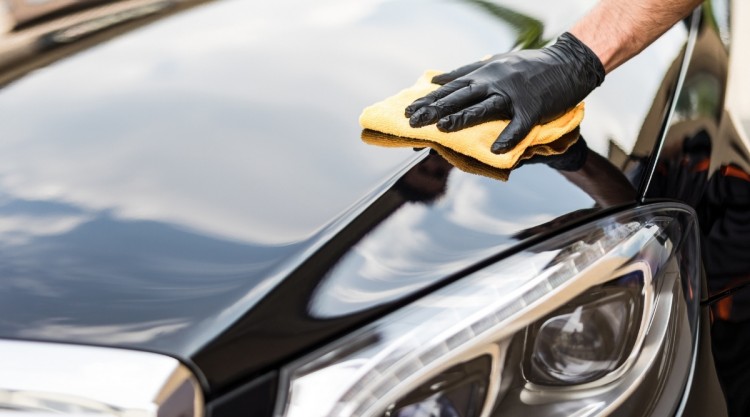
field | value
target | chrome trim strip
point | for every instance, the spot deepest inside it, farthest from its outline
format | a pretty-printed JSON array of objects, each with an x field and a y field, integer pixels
[
  {"x": 39, "y": 379},
  {"x": 667, "y": 122},
  {"x": 689, "y": 384}
]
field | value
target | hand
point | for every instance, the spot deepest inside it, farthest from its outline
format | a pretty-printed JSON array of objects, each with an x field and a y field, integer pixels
[{"x": 528, "y": 87}]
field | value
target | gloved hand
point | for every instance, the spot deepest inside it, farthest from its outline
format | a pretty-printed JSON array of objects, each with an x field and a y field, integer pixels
[{"x": 528, "y": 87}]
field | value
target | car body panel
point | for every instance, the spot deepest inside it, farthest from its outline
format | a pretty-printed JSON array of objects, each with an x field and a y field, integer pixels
[{"x": 145, "y": 204}]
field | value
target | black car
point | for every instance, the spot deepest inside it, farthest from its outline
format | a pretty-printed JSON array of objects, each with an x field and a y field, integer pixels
[{"x": 192, "y": 222}]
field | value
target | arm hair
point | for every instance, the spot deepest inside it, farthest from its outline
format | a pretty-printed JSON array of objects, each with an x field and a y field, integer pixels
[{"x": 617, "y": 30}]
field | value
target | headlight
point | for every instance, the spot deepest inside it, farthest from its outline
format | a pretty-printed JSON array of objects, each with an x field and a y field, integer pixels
[
  {"x": 575, "y": 325},
  {"x": 591, "y": 336}
]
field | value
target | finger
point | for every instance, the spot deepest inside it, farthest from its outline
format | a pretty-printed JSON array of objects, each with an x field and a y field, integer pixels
[
  {"x": 433, "y": 96},
  {"x": 457, "y": 73},
  {"x": 462, "y": 97},
  {"x": 514, "y": 133},
  {"x": 443, "y": 106},
  {"x": 447, "y": 105},
  {"x": 419, "y": 103},
  {"x": 497, "y": 107}
]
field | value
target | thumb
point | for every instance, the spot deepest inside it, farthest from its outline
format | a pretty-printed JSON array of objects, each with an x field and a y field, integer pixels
[{"x": 514, "y": 133}]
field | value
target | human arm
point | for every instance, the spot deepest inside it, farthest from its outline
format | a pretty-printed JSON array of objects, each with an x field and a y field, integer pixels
[
  {"x": 531, "y": 87},
  {"x": 618, "y": 30}
]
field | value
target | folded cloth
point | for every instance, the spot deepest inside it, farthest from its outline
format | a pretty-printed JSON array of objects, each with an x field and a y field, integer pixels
[
  {"x": 469, "y": 164},
  {"x": 388, "y": 117}
]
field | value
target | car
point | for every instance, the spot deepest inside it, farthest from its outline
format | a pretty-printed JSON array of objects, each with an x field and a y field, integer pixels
[{"x": 193, "y": 223}]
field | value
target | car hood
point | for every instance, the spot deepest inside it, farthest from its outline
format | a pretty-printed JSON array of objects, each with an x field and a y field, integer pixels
[{"x": 199, "y": 186}]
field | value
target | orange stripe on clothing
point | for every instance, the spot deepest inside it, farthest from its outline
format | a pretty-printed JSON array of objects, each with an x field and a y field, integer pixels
[
  {"x": 702, "y": 165},
  {"x": 736, "y": 172},
  {"x": 724, "y": 308}
]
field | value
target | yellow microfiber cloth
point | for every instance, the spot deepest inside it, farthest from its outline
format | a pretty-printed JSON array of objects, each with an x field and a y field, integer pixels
[
  {"x": 388, "y": 117},
  {"x": 469, "y": 164}
]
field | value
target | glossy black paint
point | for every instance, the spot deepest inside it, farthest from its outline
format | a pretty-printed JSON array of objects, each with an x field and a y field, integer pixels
[
  {"x": 256, "y": 398},
  {"x": 199, "y": 187}
]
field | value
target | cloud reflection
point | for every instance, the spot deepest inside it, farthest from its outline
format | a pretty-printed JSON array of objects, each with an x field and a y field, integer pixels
[
  {"x": 105, "y": 334},
  {"x": 178, "y": 121}
]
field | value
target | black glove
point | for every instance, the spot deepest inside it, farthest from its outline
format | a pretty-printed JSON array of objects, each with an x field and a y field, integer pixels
[{"x": 528, "y": 87}]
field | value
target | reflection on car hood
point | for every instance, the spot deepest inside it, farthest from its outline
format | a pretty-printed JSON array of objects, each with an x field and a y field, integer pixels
[{"x": 199, "y": 187}]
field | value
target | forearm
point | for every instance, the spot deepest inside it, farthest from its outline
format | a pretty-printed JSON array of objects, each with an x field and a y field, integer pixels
[{"x": 617, "y": 30}]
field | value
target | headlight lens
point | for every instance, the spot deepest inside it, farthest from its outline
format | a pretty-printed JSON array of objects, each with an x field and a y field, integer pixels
[
  {"x": 568, "y": 326},
  {"x": 588, "y": 337}
]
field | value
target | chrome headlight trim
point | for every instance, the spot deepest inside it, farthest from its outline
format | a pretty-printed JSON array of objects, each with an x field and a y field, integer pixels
[{"x": 39, "y": 378}]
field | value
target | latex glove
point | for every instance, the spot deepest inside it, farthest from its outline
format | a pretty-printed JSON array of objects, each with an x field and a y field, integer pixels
[{"x": 528, "y": 87}]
